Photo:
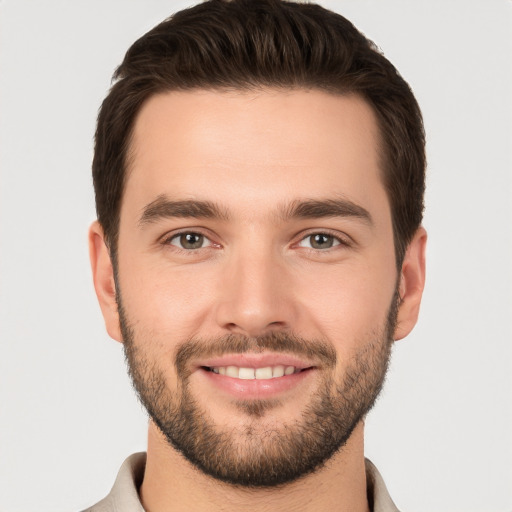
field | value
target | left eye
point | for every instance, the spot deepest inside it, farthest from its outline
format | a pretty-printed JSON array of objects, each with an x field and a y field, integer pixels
[
  {"x": 189, "y": 241},
  {"x": 319, "y": 241}
]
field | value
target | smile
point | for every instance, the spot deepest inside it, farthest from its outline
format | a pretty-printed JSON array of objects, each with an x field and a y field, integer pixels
[
  {"x": 263, "y": 373},
  {"x": 254, "y": 375}
]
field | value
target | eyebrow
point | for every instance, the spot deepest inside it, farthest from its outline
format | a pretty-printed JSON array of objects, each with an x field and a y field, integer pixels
[
  {"x": 325, "y": 208},
  {"x": 164, "y": 208}
]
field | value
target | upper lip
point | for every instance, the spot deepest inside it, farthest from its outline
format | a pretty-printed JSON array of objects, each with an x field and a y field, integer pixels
[{"x": 251, "y": 360}]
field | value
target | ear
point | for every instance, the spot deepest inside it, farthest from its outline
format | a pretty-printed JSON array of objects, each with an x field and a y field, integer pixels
[
  {"x": 412, "y": 282},
  {"x": 103, "y": 277}
]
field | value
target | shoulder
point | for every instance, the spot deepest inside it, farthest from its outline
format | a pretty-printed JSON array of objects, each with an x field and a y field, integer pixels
[
  {"x": 124, "y": 496},
  {"x": 105, "y": 505},
  {"x": 378, "y": 495}
]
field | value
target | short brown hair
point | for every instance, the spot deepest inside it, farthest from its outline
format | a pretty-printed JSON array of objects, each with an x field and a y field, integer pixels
[{"x": 249, "y": 44}]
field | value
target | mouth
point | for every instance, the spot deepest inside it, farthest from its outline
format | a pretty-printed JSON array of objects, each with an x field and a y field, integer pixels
[
  {"x": 259, "y": 373},
  {"x": 255, "y": 376}
]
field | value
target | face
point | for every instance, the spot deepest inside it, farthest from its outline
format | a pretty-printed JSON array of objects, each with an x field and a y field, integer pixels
[{"x": 256, "y": 280}]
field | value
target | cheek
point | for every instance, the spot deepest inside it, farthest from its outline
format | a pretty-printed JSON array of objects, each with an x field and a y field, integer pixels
[
  {"x": 166, "y": 302},
  {"x": 348, "y": 305}
]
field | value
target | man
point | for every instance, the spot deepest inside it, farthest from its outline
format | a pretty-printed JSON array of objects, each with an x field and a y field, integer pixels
[{"x": 259, "y": 178}]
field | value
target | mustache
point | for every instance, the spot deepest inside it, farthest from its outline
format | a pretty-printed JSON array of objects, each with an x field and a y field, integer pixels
[{"x": 281, "y": 342}]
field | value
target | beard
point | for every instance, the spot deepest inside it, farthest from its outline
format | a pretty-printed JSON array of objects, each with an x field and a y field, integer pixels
[{"x": 259, "y": 453}]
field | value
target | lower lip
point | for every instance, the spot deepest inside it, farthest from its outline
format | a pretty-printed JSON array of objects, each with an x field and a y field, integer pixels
[{"x": 255, "y": 388}]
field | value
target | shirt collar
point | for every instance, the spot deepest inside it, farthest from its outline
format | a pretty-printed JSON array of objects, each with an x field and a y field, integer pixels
[{"x": 124, "y": 494}]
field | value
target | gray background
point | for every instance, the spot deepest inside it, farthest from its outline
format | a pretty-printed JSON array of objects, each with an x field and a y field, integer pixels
[{"x": 441, "y": 432}]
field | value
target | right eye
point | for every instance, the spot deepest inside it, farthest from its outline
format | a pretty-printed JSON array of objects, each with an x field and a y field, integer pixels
[
  {"x": 320, "y": 241},
  {"x": 189, "y": 241}
]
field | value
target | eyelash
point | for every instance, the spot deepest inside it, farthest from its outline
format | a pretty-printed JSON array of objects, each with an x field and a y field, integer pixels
[
  {"x": 168, "y": 239},
  {"x": 341, "y": 241}
]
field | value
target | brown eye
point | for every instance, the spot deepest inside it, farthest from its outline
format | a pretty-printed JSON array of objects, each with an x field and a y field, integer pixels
[
  {"x": 319, "y": 241},
  {"x": 189, "y": 241}
]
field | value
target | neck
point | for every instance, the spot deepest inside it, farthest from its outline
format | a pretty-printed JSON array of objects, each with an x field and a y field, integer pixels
[{"x": 172, "y": 483}]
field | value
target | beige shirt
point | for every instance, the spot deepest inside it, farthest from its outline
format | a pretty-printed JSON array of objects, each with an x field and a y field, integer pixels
[{"x": 124, "y": 496}]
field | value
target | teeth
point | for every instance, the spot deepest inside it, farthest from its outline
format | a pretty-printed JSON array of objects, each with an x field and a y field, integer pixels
[
  {"x": 232, "y": 371},
  {"x": 265, "y": 373},
  {"x": 278, "y": 371},
  {"x": 246, "y": 373},
  {"x": 289, "y": 370}
]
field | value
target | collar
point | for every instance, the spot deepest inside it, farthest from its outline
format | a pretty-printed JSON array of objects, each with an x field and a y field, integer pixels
[{"x": 124, "y": 494}]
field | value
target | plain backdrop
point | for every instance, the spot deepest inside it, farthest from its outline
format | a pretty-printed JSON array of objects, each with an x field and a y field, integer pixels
[{"x": 441, "y": 431}]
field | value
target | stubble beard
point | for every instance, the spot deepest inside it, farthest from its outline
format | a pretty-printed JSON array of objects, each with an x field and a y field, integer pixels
[{"x": 260, "y": 453}]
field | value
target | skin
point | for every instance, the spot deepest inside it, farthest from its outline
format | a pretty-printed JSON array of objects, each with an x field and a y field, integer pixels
[{"x": 253, "y": 153}]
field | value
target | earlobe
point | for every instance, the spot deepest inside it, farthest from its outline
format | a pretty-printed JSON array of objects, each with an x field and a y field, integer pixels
[
  {"x": 412, "y": 282},
  {"x": 103, "y": 278}
]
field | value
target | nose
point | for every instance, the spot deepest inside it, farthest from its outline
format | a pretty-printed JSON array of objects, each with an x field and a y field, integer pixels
[{"x": 256, "y": 296}]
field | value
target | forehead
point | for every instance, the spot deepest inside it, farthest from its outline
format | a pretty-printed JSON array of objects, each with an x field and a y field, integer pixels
[{"x": 257, "y": 147}]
